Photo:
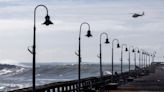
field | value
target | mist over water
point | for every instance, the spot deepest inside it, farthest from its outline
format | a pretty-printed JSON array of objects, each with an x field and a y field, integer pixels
[{"x": 16, "y": 76}]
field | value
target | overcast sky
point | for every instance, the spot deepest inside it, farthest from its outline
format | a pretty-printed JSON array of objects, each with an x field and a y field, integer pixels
[{"x": 58, "y": 42}]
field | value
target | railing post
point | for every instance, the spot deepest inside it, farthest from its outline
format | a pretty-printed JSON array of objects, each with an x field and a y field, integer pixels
[
  {"x": 48, "y": 90},
  {"x": 58, "y": 89}
]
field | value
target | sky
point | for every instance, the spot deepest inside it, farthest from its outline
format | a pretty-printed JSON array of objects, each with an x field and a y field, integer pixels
[{"x": 58, "y": 42}]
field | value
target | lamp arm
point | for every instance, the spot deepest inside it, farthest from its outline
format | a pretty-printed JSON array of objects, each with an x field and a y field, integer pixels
[
  {"x": 31, "y": 51},
  {"x": 35, "y": 12}
]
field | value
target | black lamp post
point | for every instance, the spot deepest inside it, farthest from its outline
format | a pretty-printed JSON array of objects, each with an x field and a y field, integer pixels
[
  {"x": 153, "y": 56},
  {"x": 136, "y": 50},
  {"x": 79, "y": 52},
  {"x": 144, "y": 58},
  {"x": 126, "y": 49},
  {"x": 130, "y": 78},
  {"x": 139, "y": 58},
  {"x": 106, "y": 42},
  {"x": 146, "y": 55},
  {"x": 33, "y": 51},
  {"x": 118, "y": 46},
  {"x": 149, "y": 58},
  {"x": 129, "y": 56}
]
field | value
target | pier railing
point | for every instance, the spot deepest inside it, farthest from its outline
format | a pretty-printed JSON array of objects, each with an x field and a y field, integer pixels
[{"x": 86, "y": 83}]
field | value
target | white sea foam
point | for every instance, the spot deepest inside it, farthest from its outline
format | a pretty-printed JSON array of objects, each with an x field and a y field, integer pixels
[
  {"x": 18, "y": 70},
  {"x": 107, "y": 73},
  {"x": 6, "y": 87},
  {"x": 37, "y": 75},
  {"x": 12, "y": 71},
  {"x": 2, "y": 87},
  {"x": 5, "y": 71}
]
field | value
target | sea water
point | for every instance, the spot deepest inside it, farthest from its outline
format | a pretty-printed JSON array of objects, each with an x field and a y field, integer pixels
[{"x": 20, "y": 76}]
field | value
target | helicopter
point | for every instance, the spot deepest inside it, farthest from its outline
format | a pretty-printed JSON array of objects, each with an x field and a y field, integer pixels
[{"x": 135, "y": 15}]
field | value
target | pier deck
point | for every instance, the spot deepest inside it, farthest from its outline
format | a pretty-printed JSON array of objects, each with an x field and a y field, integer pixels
[{"x": 154, "y": 82}]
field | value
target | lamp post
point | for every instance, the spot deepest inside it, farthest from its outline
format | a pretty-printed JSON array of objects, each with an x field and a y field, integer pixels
[
  {"x": 136, "y": 50},
  {"x": 153, "y": 56},
  {"x": 147, "y": 63},
  {"x": 106, "y": 42},
  {"x": 149, "y": 58},
  {"x": 139, "y": 58},
  {"x": 126, "y": 49},
  {"x": 118, "y": 46},
  {"x": 79, "y": 52},
  {"x": 129, "y": 56},
  {"x": 33, "y": 51},
  {"x": 142, "y": 56},
  {"x": 143, "y": 59}
]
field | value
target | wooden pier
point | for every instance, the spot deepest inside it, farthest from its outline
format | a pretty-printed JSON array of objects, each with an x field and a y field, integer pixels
[
  {"x": 154, "y": 82},
  {"x": 145, "y": 80}
]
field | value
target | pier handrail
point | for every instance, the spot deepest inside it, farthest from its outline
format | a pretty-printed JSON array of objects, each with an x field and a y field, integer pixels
[{"x": 88, "y": 83}]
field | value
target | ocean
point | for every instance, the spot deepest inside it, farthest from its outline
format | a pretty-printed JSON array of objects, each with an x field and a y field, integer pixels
[{"x": 20, "y": 76}]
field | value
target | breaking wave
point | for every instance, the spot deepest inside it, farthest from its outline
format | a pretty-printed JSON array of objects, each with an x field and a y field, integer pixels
[{"x": 20, "y": 76}]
